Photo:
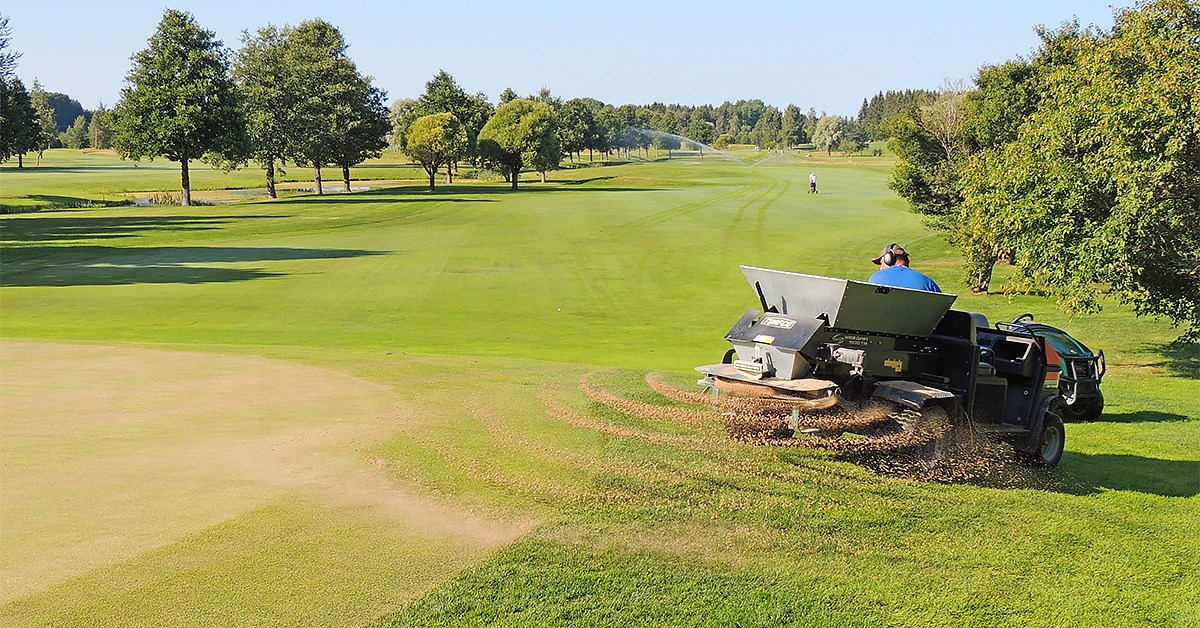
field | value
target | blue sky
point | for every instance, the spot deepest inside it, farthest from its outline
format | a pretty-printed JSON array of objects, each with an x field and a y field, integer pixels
[{"x": 827, "y": 55}]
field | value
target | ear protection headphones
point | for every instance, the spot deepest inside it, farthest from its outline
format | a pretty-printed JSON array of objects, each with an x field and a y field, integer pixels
[{"x": 889, "y": 258}]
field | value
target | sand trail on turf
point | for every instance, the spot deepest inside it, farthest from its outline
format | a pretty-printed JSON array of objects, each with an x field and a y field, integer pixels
[{"x": 109, "y": 452}]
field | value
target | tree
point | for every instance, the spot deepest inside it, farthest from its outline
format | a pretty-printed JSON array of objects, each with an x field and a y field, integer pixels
[
  {"x": 180, "y": 102},
  {"x": 66, "y": 109},
  {"x": 267, "y": 84},
  {"x": 767, "y": 130},
  {"x": 45, "y": 133},
  {"x": 20, "y": 130},
  {"x": 507, "y": 96},
  {"x": 574, "y": 120},
  {"x": 100, "y": 130},
  {"x": 436, "y": 140},
  {"x": 854, "y": 138},
  {"x": 444, "y": 95},
  {"x": 76, "y": 135},
  {"x": 398, "y": 115},
  {"x": 828, "y": 133},
  {"x": 329, "y": 88},
  {"x": 8, "y": 58},
  {"x": 520, "y": 133},
  {"x": 669, "y": 138},
  {"x": 1099, "y": 190},
  {"x": 791, "y": 130},
  {"x": 364, "y": 121},
  {"x": 700, "y": 130}
]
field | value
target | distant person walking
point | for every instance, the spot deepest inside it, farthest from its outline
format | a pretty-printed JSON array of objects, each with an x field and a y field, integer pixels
[{"x": 812, "y": 183}]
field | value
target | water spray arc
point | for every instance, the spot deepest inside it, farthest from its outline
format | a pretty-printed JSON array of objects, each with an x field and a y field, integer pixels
[{"x": 688, "y": 140}]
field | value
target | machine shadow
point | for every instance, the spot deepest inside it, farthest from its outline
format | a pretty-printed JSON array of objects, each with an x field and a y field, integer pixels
[
  {"x": 1141, "y": 416},
  {"x": 107, "y": 266},
  {"x": 1088, "y": 474}
]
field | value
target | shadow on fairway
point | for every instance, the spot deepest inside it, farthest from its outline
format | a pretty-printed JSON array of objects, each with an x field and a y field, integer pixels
[
  {"x": 89, "y": 168},
  {"x": 58, "y": 201},
  {"x": 451, "y": 193},
  {"x": 1087, "y": 474},
  {"x": 1141, "y": 416},
  {"x": 22, "y": 230},
  {"x": 1182, "y": 359},
  {"x": 105, "y": 265}
]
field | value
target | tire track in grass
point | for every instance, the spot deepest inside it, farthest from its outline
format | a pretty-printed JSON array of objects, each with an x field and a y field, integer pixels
[
  {"x": 741, "y": 211},
  {"x": 682, "y": 210},
  {"x": 762, "y": 212}
]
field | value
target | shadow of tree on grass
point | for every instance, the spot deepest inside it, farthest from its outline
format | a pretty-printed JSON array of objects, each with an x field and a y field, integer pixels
[
  {"x": 106, "y": 265},
  {"x": 1182, "y": 359},
  {"x": 32, "y": 229},
  {"x": 1085, "y": 474}
]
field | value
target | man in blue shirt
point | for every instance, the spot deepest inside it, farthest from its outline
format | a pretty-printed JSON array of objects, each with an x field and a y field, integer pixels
[{"x": 894, "y": 271}]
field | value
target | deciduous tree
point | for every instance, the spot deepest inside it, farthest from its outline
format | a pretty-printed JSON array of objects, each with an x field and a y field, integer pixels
[
  {"x": 828, "y": 133},
  {"x": 520, "y": 133},
  {"x": 269, "y": 91},
  {"x": 20, "y": 130},
  {"x": 180, "y": 102},
  {"x": 434, "y": 141},
  {"x": 1099, "y": 192}
]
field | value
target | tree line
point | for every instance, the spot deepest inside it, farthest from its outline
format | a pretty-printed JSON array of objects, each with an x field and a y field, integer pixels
[
  {"x": 291, "y": 95},
  {"x": 1080, "y": 166}
]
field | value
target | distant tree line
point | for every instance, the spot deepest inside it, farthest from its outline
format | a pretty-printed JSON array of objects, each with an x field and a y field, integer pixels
[
  {"x": 890, "y": 103},
  {"x": 291, "y": 95},
  {"x": 1080, "y": 166}
]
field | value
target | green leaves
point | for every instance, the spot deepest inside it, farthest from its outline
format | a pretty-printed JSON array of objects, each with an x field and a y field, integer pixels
[
  {"x": 521, "y": 133},
  {"x": 436, "y": 140},
  {"x": 1099, "y": 189},
  {"x": 180, "y": 101}
]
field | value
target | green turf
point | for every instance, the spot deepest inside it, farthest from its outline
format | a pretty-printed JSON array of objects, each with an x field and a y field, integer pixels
[{"x": 482, "y": 309}]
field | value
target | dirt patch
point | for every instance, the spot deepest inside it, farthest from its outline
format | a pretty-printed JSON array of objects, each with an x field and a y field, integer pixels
[{"x": 109, "y": 452}]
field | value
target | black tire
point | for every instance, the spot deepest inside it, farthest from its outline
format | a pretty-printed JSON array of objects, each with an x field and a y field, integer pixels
[
  {"x": 728, "y": 359},
  {"x": 1084, "y": 409},
  {"x": 1050, "y": 443}
]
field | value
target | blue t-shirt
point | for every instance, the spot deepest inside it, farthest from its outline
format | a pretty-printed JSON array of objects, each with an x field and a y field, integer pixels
[{"x": 903, "y": 277}]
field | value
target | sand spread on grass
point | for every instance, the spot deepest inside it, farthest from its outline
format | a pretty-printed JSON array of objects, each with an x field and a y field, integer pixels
[{"x": 108, "y": 452}]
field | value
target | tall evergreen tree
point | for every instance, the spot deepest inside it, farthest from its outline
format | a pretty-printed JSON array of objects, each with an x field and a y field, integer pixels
[{"x": 100, "y": 130}]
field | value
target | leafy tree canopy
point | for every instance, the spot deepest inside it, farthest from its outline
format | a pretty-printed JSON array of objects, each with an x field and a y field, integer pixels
[
  {"x": 520, "y": 134},
  {"x": 180, "y": 102},
  {"x": 434, "y": 141}
]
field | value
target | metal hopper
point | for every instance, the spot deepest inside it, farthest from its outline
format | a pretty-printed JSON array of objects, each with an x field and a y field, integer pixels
[{"x": 849, "y": 305}]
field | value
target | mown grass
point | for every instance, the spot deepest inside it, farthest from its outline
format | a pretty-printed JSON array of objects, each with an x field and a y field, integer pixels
[{"x": 484, "y": 311}]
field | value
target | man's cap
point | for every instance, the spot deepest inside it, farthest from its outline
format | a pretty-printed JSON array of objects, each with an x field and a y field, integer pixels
[{"x": 897, "y": 251}]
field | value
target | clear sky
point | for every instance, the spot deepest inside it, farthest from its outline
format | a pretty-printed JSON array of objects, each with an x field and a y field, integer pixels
[{"x": 827, "y": 55}]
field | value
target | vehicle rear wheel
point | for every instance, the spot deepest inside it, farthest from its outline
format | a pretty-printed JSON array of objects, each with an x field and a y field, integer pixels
[
  {"x": 1084, "y": 409},
  {"x": 1050, "y": 444}
]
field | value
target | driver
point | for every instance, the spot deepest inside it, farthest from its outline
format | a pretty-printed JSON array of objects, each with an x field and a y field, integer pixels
[{"x": 894, "y": 271}]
